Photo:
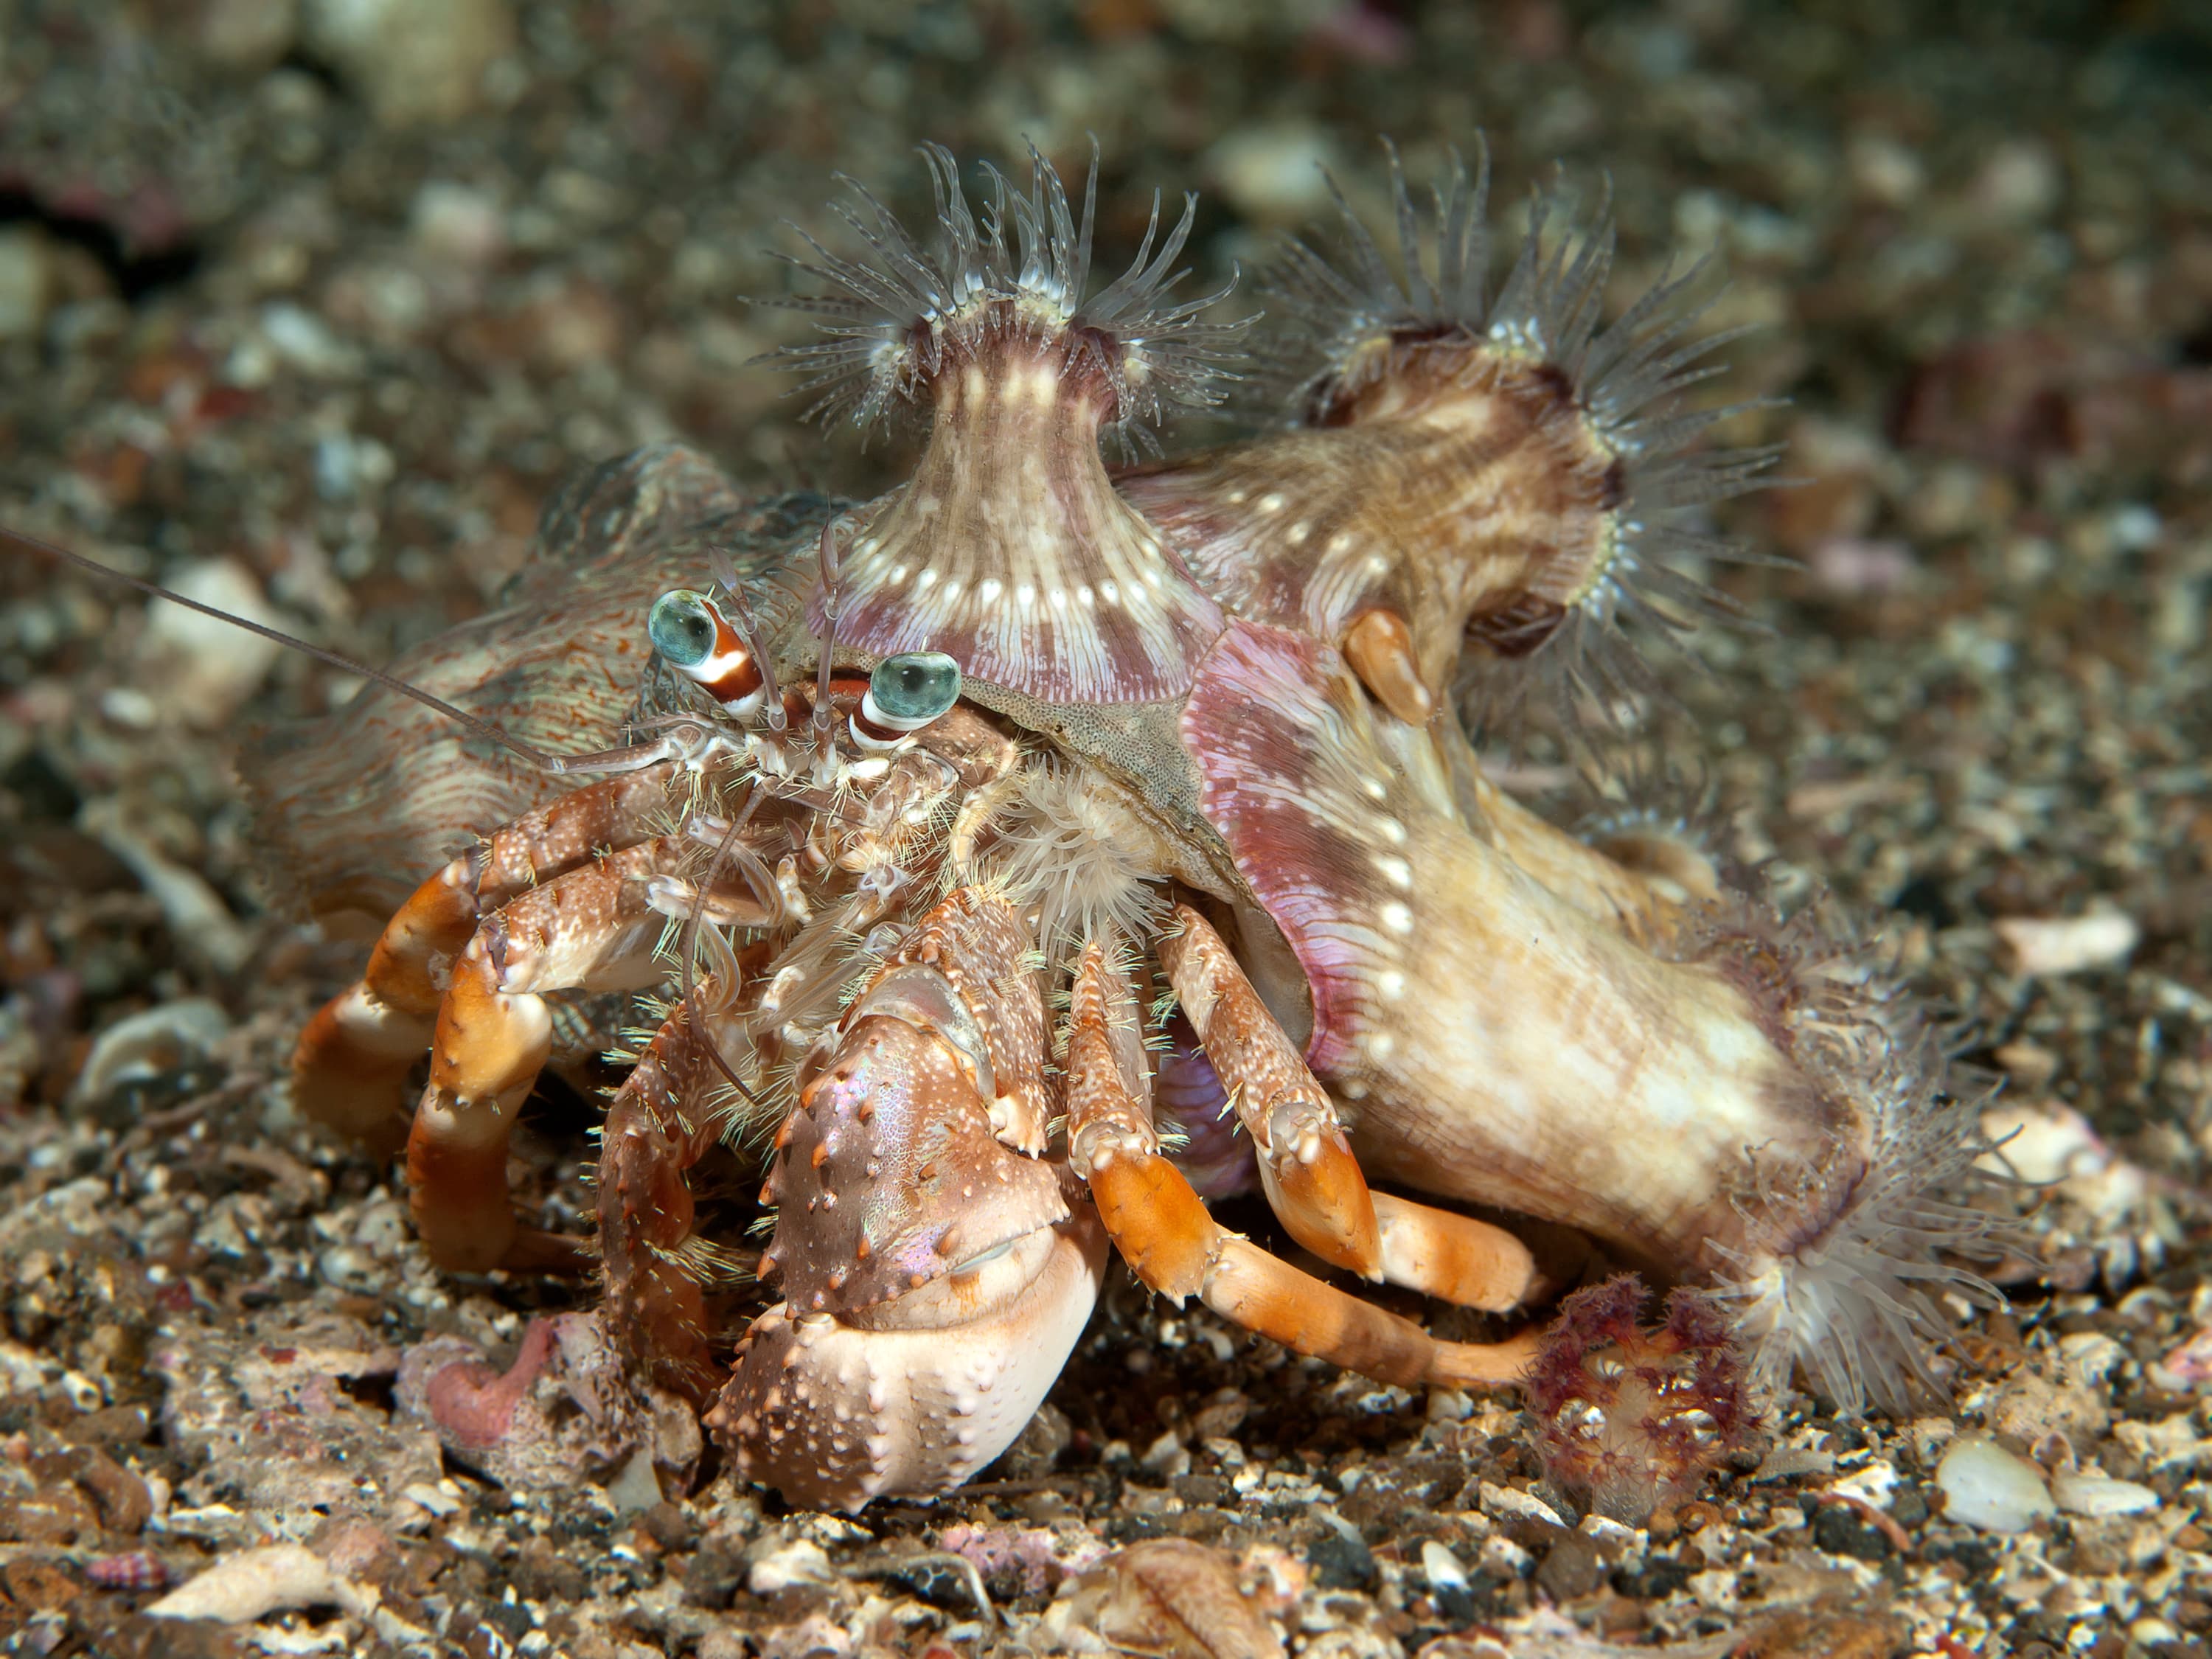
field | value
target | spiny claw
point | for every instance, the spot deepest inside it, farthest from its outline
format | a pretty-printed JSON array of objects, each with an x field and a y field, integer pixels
[
  {"x": 935, "y": 1275},
  {"x": 832, "y": 1414}
]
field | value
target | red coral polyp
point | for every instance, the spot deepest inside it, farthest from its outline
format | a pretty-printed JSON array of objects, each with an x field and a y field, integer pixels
[{"x": 1631, "y": 1418}]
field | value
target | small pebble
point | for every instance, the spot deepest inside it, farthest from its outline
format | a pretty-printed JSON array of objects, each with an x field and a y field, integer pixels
[
  {"x": 2099, "y": 1494},
  {"x": 1985, "y": 1486},
  {"x": 1441, "y": 1567},
  {"x": 2046, "y": 946},
  {"x": 780, "y": 1566},
  {"x": 27, "y": 284},
  {"x": 202, "y": 668},
  {"x": 419, "y": 63},
  {"x": 1274, "y": 173}
]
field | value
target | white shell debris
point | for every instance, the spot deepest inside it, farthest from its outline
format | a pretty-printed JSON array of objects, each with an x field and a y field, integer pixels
[
  {"x": 782, "y": 1565},
  {"x": 420, "y": 63},
  {"x": 256, "y": 1583},
  {"x": 202, "y": 670},
  {"x": 1517, "y": 1505},
  {"x": 2083, "y": 1494},
  {"x": 1441, "y": 1567},
  {"x": 145, "y": 1044},
  {"x": 1987, "y": 1487},
  {"x": 2049, "y": 945}
]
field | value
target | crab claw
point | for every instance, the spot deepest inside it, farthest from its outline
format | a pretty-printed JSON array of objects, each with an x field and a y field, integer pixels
[
  {"x": 935, "y": 1277},
  {"x": 832, "y": 1415}
]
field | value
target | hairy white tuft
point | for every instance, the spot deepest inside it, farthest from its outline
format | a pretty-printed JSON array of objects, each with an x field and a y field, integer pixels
[
  {"x": 1844, "y": 1273},
  {"x": 1854, "y": 1303},
  {"x": 1067, "y": 848}
]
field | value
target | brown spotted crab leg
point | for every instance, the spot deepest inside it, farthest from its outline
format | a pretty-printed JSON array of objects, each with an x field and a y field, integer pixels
[
  {"x": 1163, "y": 1232},
  {"x": 349, "y": 1071},
  {"x": 595, "y": 929},
  {"x": 1307, "y": 1168}
]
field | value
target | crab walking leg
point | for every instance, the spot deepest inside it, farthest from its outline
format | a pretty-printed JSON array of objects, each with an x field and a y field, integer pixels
[
  {"x": 591, "y": 929},
  {"x": 350, "y": 1068},
  {"x": 1307, "y": 1164},
  {"x": 1163, "y": 1232},
  {"x": 660, "y": 1123},
  {"x": 1312, "y": 1181}
]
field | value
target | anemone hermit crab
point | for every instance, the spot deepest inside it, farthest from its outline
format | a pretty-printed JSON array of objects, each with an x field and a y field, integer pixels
[{"x": 987, "y": 843}]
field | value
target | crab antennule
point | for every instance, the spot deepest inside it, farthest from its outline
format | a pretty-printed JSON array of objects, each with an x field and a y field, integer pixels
[
  {"x": 1009, "y": 549},
  {"x": 1474, "y": 487}
]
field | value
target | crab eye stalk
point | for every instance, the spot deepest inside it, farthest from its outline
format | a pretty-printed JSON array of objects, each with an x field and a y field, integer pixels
[
  {"x": 914, "y": 686},
  {"x": 697, "y": 640},
  {"x": 906, "y": 693},
  {"x": 681, "y": 627}
]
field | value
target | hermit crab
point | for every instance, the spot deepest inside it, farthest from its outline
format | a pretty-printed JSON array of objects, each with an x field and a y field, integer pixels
[{"x": 988, "y": 846}]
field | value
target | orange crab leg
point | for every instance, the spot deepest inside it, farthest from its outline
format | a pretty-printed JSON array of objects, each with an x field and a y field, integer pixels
[
  {"x": 1317, "y": 1187},
  {"x": 1163, "y": 1230},
  {"x": 593, "y": 929},
  {"x": 1312, "y": 1181},
  {"x": 349, "y": 1070}
]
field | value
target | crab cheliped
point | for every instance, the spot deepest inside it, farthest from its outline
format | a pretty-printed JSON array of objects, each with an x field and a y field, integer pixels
[{"x": 988, "y": 844}]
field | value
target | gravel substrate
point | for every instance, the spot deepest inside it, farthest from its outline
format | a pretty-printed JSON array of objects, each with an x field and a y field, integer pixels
[{"x": 307, "y": 306}]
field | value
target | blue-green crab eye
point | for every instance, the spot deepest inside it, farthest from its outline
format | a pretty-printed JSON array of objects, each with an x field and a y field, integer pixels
[
  {"x": 681, "y": 626},
  {"x": 913, "y": 687}
]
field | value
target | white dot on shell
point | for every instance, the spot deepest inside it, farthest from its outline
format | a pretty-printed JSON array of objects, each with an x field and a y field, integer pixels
[
  {"x": 1059, "y": 599},
  {"x": 1380, "y": 1043},
  {"x": 1109, "y": 592},
  {"x": 1084, "y": 596},
  {"x": 1299, "y": 532},
  {"x": 1395, "y": 871},
  {"x": 1392, "y": 831},
  {"x": 991, "y": 589},
  {"x": 1025, "y": 595},
  {"x": 927, "y": 579},
  {"x": 1397, "y": 917},
  {"x": 1236, "y": 497},
  {"x": 1376, "y": 788},
  {"x": 1340, "y": 543},
  {"x": 952, "y": 590},
  {"x": 1378, "y": 566},
  {"x": 1390, "y": 984}
]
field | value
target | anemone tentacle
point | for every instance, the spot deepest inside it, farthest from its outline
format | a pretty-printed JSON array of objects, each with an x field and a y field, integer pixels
[{"x": 903, "y": 316}]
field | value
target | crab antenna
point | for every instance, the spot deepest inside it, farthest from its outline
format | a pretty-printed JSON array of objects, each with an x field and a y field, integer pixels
[
  {"x": 556, "y": 764},
  {"x": 725, "y": 575},
  {"x": 696, "y": 930},
  {"x": 825, "y": 736}
]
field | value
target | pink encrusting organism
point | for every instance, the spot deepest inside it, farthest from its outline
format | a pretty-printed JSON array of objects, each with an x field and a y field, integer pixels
[
  {"x": 962, "y": 831},
  {"x": 1633, "y": 1419}
]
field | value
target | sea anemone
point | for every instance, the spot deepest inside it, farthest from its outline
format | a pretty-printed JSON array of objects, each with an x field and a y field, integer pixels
[
  {"x": 1069, "y": 849},
  {"x": 1512, "y": 484},
  {"x": 1009, "y": 549},
  {"x": 905, "y": 318}
]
